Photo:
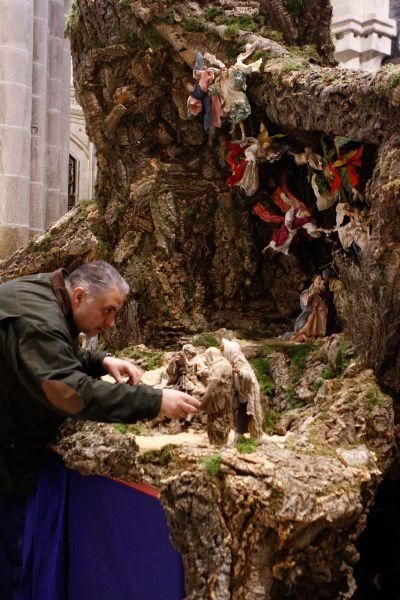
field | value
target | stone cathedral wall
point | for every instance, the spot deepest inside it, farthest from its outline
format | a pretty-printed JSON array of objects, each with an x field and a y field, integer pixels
[{"x": 34, "y": 118}]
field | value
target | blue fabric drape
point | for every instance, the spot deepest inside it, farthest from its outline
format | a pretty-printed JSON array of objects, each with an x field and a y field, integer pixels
[
  {"x": 86, "y": 538},
  {"x": 12, "y": 515},
  {"x": 119, "y": 544},
  {"x": 44, "y": 554}
]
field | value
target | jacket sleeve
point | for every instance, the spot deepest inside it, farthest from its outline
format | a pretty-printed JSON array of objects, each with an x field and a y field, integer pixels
[
  {"x": 51, "y": 373},
  {"x": 91, "y": 361}
]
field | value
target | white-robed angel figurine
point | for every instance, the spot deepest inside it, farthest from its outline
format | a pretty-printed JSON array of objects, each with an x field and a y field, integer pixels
[{"x": 228, "y": 90}]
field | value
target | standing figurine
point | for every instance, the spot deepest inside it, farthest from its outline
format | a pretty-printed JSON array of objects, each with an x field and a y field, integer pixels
[
  {"x": 177, "y": 372},
  {"x": 315, "y": 325},
  {"x": 196, "y": 371},
  {"x": 246, "y": 392},
  {"x": 217, "y": 400}
]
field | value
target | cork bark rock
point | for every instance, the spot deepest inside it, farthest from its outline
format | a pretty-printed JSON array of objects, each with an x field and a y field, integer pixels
[
  {"x": 279, "y": 522},
  {"x": 282, "y": 521},
  {"x": 188, "y": 245}
]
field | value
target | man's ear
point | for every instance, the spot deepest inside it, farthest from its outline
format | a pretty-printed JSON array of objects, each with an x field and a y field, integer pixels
[{"x": 77, "y": 295}]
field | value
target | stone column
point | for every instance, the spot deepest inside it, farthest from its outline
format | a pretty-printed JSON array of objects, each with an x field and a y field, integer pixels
[
  {"x": 16, "y": 40},
  {"x": 39, "y": 116},
  {"x": 65, "y": 118},
  {"x": 362, "y": 32},
  {"x": 54, "y": 93}
]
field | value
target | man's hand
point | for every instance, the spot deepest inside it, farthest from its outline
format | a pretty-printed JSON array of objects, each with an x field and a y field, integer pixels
[
  {"x": 176, "y": 404},
  {"x": 120, "y": 368}
]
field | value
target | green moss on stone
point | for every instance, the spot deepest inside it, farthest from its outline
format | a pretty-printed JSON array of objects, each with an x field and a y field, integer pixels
[
  {"x": 271, "y": 418},
  {"x": 272, "y": 34},
  {"x": 261, "y": 368},
  {"x": 341, "y": 359},
  {"x": 151, "y": 38},
  {"x": 326, "y": 374},
  {"x": 135, "y": 428},
  {"x": 212, "y": 465},
  {"x": 153, "y": 358},
  {"x": 205, "y": 339},
  {"x": 162, "y": 457},
  {"x": 374, "y": 398},
  {"x": 246, "y": 445},
  {"x": 212, "y": 12},
  {"x": 318, "y": 383},
  {"x": 195, "y": 24},
  {"x": 169, "y": 16}
]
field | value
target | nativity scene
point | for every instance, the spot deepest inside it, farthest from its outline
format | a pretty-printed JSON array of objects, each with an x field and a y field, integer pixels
[{"x": 247, "y": 202}]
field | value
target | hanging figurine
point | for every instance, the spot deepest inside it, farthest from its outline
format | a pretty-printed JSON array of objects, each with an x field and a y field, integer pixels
[
  {"x": 230, "y": 86},
  {"x": 199, "y": 101},
  {"x": 296, "y": 217},
  {"x": 353, "y": 233},
  {"x": 336, "y": 176},
  {"x": 244, "y": 158},
  {"x": 226, "y": 86}
]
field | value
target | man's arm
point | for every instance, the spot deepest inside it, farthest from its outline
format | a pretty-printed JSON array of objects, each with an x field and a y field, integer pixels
[
  {"x": 92, "y": 362},
  {"x": 50, "y": 372}
]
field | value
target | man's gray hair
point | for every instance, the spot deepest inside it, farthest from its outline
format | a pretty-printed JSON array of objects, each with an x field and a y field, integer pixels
[{"x": 96, "y": 278}]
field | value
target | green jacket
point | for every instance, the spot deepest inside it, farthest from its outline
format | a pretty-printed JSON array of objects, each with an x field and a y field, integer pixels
[{"x": 45, "y": 377}]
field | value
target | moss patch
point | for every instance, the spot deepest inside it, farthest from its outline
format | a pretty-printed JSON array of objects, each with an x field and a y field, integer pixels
[
  {"x": 135, "y": 428},
  {"x": 71, "y": 19},
  {"x": 162, "y": 457},
  {"x": 246, "y": 445},
  {"x": 271, "y": 418},
  {"x": 261, "y": 368},
  {"x": 205, "y": 339},
  {"x": 373, "y": 398},
  {"x": 150, "y": 37},
  {"x": 272, "y": 34},
  {"x": 390, "y": 81},
  {"x": 153, "y": 358},
  {"x": 213, "y": 11},
  {"x": 318, "y": 383},
  {"x": 212, "y": 465},
  {"x": 326, "y": 374},
  {"x": 341, "y": 359},
  {"x": 195, "y": 24},
  {"x": 298, "y": 355},
  {"x": 41, "y": 244}
]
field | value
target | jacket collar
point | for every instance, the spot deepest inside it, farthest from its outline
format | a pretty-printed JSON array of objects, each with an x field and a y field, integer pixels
[{"x": 62, "y": 297}]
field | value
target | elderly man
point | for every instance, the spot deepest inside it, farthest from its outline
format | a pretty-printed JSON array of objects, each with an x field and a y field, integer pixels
[{"x": 46, "y": 377}]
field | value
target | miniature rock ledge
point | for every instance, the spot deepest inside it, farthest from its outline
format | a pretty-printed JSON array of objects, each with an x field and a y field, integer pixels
[{"x": 278, "y": 522}]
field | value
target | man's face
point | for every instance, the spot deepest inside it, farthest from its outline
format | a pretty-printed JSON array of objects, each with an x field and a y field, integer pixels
[{"x": 93, "y": 314}]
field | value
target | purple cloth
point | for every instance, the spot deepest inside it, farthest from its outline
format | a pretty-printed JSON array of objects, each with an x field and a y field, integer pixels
[
  {"x": 119, "y": 544},
  {"x": 12, "y": 511},
  {"x": 86, "y": 538}
]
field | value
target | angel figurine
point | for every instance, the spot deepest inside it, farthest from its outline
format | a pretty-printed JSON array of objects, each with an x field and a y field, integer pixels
[
  {"x": 296, "y": 216},
  {"x": 226, "y": 86}
]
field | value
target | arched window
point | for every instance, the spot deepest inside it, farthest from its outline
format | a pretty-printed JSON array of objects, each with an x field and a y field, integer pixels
[{"x": 72, "y": 182}]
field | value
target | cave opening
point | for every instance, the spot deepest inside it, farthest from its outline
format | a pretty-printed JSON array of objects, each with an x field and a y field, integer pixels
[{"x": 278, "y": 277}]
